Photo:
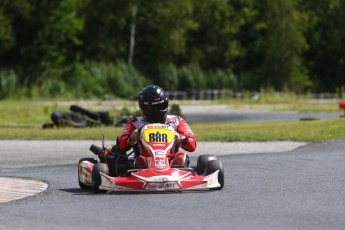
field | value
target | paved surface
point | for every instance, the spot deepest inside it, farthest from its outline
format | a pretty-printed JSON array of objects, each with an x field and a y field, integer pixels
[
  {"x": 51, "y": 153},
  {"x": 224, "y": 113},
  {"x": 16, "y": 188},
  {"x": 299, "y": 189}
]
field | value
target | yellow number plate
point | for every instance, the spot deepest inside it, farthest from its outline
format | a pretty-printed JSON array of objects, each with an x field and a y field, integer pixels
[{"x": 158, "y": 135}]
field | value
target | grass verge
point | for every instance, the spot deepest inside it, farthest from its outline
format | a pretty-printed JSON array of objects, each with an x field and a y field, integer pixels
[
  {"x": 308, "y": 131},
  {"x": 24, "y": 119}
]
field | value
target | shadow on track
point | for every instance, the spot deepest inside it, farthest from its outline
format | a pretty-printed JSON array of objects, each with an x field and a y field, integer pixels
[{"x": 78, "y": 191}]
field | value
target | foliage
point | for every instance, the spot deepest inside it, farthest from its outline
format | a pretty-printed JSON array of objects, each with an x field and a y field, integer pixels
[
  {"x": 8, "y": 83},
  {"x": 80, "y": 48},
  {"x": 325, "y": 57},
  {"x": 169, "y": 76},
  {"x": 214, "y": 44},
  {"x": 94, "y": 80},
  {"x": 12, "y": 13},
  {"x": 162, "y": 31},
  {"x": 283, "y": 45},
  {"x": 175, "y": 110}
]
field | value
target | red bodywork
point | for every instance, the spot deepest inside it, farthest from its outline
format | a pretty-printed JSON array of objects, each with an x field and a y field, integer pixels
[{"x": 159, "y": 139}]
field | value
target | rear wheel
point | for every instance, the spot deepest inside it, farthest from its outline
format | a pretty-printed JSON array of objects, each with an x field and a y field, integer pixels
[
  {"x": 93, "y": 161},
  {"x": 96, "y": 177},
  {"x": 202, "y": 161},
  {"x": 213, "y": 166}
]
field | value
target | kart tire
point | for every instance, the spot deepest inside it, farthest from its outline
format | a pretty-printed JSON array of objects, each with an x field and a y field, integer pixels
[
  {"x": 93, "y": 161},
  {"x": 82, "y": 111},
  {"x": 213, "y": 166},
  {"x": 63, "y": 119},
  {"x": 202, "y": 162},
  {"x": 96, "y": 177}
]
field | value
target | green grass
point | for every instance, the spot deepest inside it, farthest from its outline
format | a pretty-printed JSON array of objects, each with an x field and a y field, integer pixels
[
  {"x": 27, "y": 113},
  {"x": 309, "y": 131},
  {"x": 24, "y": 119}
]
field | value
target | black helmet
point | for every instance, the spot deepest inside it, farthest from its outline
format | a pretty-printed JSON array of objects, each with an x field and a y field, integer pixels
[{"x": 153, "y": 103}]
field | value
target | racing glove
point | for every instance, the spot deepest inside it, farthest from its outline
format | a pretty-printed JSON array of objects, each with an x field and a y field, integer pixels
[
  {"x": 134, "y": 137},
  {"x": 181, "y": 140},
  {"x": 116, "y": 151}
]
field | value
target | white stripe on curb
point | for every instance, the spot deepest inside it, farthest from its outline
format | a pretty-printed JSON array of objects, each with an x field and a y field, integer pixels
[{"x": 17, "y": 188}]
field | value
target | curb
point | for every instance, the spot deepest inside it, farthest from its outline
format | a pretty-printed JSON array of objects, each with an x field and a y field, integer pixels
[{"x": 18, "y": 188}]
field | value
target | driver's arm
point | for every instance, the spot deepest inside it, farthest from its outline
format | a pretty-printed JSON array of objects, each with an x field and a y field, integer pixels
[
  {"x": 127, "y": 131},
  {"x": 184, "y": 129}
]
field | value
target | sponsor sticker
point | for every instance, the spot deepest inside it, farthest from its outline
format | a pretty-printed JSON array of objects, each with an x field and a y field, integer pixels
[
  {"x": 165, "y": 185},
  {"x": 160, "y": 164}
]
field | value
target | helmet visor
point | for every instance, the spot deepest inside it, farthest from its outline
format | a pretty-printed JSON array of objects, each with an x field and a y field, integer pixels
[{"x": 153, "y": 107}]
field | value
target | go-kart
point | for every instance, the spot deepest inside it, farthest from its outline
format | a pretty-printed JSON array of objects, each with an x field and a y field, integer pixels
[{"x": 116, "y": 171}]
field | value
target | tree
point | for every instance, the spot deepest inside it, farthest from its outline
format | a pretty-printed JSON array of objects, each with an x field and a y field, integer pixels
[
  {"x": 13, "y": 14},
  {"x": 283, "y": 47},
  {"x": 214, "y": 45},
  {"x": 326, "y": 38},
  {"x": 251, "y": 31},
  {"x": 106, "y": 34},
  {"x": 162, "y": 30}
]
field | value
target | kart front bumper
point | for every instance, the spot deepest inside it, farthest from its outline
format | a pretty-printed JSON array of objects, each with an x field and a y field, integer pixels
[{"x": 160, "y": 182}]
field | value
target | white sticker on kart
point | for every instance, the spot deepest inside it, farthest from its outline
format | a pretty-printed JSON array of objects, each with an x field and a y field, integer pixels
[
  {"x": 166, "y": 185},
  {"x": 160, "y": 164}
]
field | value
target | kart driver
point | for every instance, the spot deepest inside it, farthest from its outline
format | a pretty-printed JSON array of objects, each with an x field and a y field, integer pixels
[{"x": 153, "y": 103}]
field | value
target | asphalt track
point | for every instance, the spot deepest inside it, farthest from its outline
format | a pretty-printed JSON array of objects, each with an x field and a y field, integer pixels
[
  {"x": 223, "y": 113},
  {"x": 275, "y": 189}
]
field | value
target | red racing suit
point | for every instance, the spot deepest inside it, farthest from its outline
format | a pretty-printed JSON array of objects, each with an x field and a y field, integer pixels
[{"x": 178, "y": 123}]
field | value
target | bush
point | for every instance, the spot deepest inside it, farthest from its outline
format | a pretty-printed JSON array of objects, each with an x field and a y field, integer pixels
[
  {"x": 191, "y": 77},
  {"x": 175, "y": 110},
  {"x": 8, "y": 83},
  {"x": 91, "y": 79},
  {"x": 220, "y": 79},
  {"x": 99, "y": 79},
  {"x": 168, "y": 75},
  {"x": 51, "y": 84},
  {"x": 125, "y": 81}
]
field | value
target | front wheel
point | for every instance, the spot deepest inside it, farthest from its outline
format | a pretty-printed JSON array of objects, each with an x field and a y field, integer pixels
[
  {"x": 96, "y": 177},
  {"x": 82, "y": 185},
  {"x": 202, "y": 162},
  {"x": 213, "y": 166}
]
